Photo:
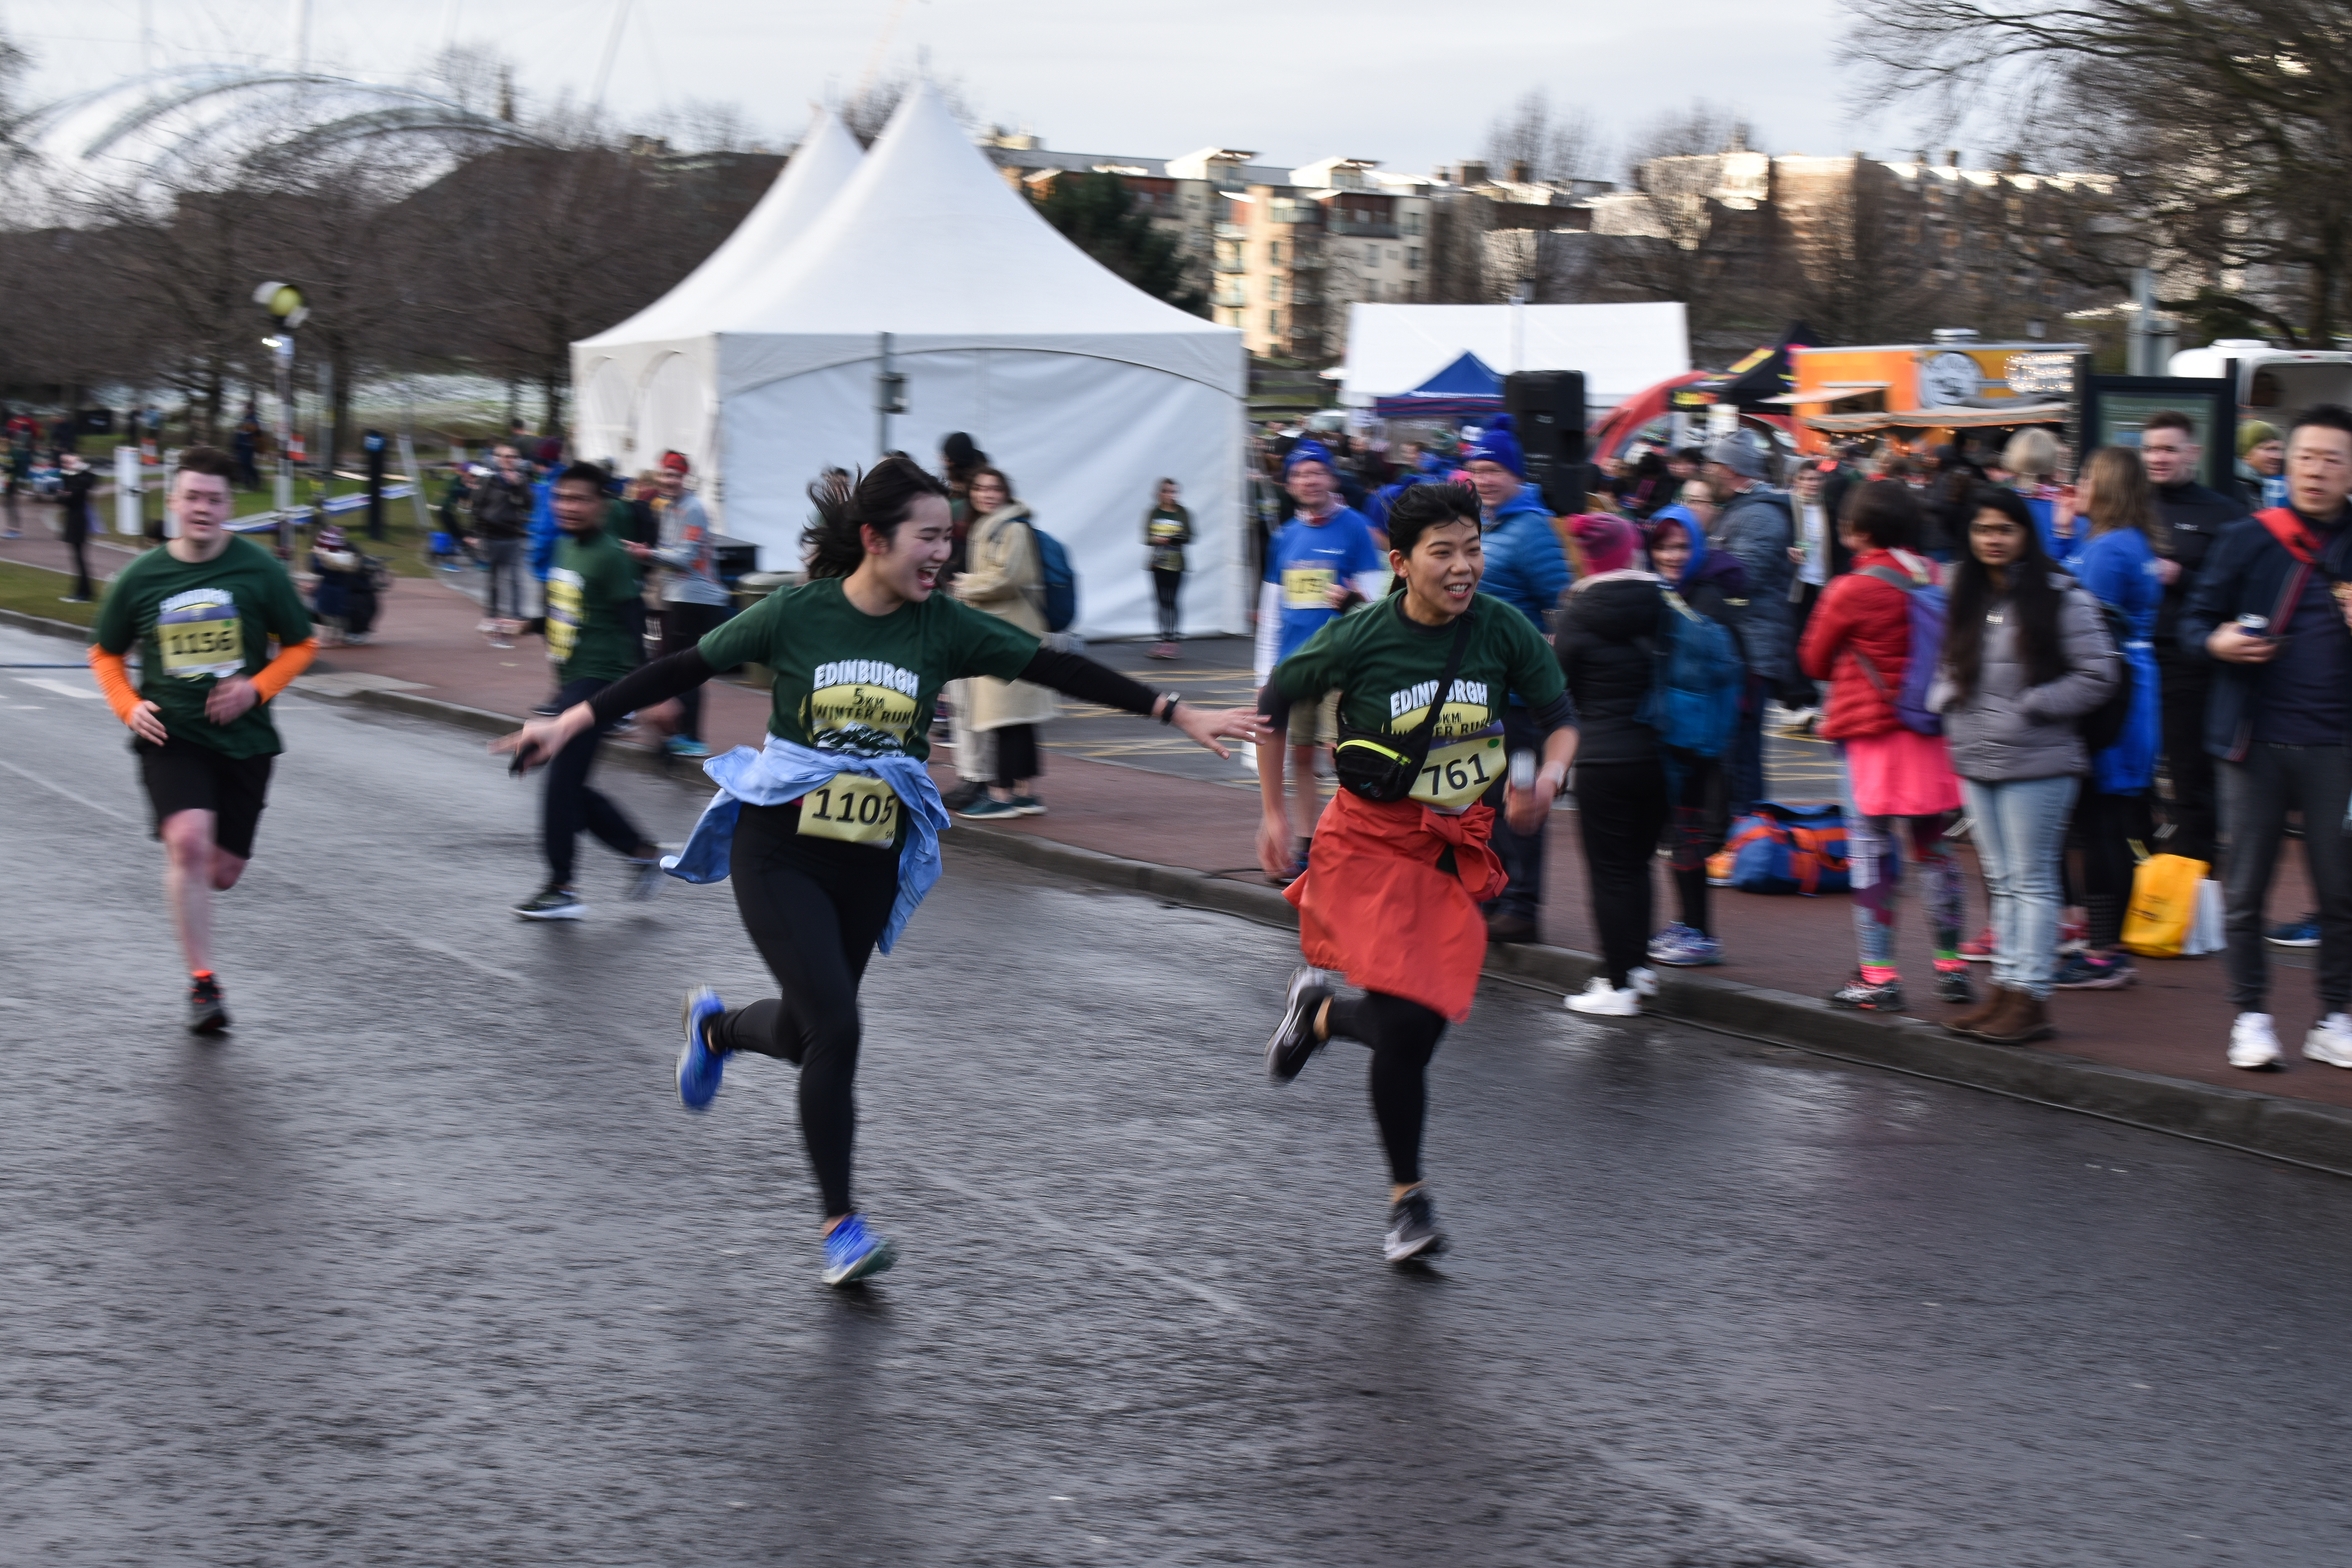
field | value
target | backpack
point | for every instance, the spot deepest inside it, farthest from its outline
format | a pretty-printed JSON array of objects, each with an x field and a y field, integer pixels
[
  {"x": 1695, "y": 682},
  {"x": 1060, "y": 579},
  {"x": 2104, "y": 726},
  {"x": 1789, "y": 849},
  {"x": 1925, "y": 606}
]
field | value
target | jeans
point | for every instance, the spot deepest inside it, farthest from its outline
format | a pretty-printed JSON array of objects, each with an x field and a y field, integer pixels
[
  {"x": 1743, "y": 765},
  {"x": 1522, "y": 854},
  {"x": 571, "y": 804},
  {"x": 2020, "y": 833},
  {"x": 1620, "y": 809},
  {"x": 504, "y": 559},
  {"x": 2256, "y": 796}
]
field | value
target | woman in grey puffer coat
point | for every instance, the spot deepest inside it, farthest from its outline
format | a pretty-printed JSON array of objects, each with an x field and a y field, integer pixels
[{"x": 2026, "y": 658}]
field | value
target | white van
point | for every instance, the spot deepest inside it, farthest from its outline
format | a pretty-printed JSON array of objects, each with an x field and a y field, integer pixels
[{"x": 2272, "y": 383}]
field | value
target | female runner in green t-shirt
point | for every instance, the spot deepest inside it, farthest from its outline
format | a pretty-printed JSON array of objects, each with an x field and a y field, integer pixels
[
  {"x": 831, "y": 831},
  {"x": 1393, "y": 888}
]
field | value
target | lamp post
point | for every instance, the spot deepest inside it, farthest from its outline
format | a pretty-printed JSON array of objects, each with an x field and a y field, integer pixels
[{"x": 284, "y": 303}]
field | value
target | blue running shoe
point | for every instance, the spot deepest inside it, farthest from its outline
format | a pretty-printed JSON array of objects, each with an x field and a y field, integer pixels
[
  {"x": 852, "y": 1252},
  {"x": 1684, "y": 947},
  {"x": 699, "y": 1067}
]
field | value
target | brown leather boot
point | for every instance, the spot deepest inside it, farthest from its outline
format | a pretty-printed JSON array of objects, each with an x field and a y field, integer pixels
[
  {"x": 1970, "y": 1022},
  {"x": 2028, "y": 1019}
]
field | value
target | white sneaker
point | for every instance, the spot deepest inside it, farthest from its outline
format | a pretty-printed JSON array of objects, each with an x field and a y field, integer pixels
[
  {"x": 1602, "y": 1000},
  {"x": 1645, "y": 981},
  {"x": 2253, "y": 1044},
  {"x": 2330, "y": 1041}
]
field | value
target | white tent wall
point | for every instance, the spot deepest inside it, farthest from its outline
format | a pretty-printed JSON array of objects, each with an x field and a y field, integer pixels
[
  {"x": 1620, "y": 348},
  {"x": 638, "y": 401},
  {"x": 1087, "y": 470}
]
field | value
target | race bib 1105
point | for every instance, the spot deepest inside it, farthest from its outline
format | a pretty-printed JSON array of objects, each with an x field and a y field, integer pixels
[{"x": 856, "y": 808}]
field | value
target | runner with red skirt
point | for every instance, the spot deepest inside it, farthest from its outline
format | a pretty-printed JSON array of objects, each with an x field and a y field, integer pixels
[{"x": 1400, "y": 861}]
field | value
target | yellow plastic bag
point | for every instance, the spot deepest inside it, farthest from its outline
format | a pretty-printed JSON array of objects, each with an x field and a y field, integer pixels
[{"x": 2163, "y": 905}]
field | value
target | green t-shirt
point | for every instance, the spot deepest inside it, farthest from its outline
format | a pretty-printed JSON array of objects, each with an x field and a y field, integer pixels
[
  {"x": 588, "y": 628},
  {"x": 195, "y": 623},
  {"x": 848, "y": 681},
  {"x": 1385, "y": 665}
]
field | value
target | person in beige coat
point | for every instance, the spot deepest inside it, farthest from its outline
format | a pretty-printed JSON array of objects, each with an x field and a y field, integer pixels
[{"x": 1003, "y": 577}]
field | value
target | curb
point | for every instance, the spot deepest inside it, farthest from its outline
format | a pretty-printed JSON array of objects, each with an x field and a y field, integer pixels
[
  {"x": 48, "y": 626},
  {"x": 2302, "y": 1131}
]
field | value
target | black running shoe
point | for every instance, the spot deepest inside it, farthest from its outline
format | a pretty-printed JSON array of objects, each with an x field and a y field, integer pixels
[
  {"x": 1412, "y": 1227},
  {"x": 1294, "y": 1038},
  {"x": 1952, "y": 987},
  {"x": 1862, "y": 996},
  {"x": 207, "y": 1014}
]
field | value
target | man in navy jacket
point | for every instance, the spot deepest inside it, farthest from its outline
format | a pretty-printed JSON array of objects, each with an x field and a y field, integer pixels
[{"x": 2271, "y": 609}]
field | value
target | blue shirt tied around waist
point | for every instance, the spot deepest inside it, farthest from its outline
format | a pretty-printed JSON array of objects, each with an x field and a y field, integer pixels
[{"x": 782, "y": 773}]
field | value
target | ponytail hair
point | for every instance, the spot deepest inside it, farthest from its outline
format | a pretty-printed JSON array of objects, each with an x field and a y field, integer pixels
[{"x": 835, "y": 541}]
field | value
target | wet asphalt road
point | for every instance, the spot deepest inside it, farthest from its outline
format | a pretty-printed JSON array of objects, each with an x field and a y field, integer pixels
[{"x": 425, "y": 1265}]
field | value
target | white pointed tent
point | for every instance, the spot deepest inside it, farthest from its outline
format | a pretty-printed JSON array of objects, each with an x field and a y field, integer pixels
[
  {"x": 643, "y": 385},
  {"x": 1082, "y": 388}
]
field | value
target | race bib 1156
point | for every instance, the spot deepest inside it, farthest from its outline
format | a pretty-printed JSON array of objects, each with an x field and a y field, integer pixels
[{"x": 201, "y": 633}]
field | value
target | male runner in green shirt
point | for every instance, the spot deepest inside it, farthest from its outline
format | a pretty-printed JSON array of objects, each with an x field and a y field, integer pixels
[
  {"x": 589, "y": 591},
  {"x": 202, "y": 611}
]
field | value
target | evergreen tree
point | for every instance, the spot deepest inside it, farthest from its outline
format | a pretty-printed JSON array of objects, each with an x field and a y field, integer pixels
[{"x": 1096, "y": 214}]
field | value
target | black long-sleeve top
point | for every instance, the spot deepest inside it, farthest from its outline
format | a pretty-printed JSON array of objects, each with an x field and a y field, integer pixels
[{"x": 1070, "y": 674}]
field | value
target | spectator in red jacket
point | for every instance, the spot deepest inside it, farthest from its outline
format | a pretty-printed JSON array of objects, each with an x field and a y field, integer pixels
[{"x": 1898, "y": 781}]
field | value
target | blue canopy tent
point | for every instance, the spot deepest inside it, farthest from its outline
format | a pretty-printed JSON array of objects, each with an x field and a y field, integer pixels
[{"x": 1466, "y": 386}]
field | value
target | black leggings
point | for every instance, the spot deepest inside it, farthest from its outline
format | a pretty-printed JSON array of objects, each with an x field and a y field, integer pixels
[
  {"x": 683, "y": 626},
  {"x": 2103, "y": 830},
  {"x": 814, "y": 908},
  {"x": 1403, "y": 1036},
  {"x": 1016, "y": 754},
  {"x": 1165, "y": 586},
  {"x": 1621, "y": 809}
]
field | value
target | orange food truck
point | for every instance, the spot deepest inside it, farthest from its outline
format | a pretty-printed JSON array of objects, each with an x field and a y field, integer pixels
[{"x": 1925, "y": 395}]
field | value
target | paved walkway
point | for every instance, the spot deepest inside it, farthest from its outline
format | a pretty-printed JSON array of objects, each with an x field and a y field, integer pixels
[{"x": 1121, "y": 788}]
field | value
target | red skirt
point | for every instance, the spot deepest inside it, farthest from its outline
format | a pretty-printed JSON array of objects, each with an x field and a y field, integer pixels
[{"x": 1374, "y": 905}]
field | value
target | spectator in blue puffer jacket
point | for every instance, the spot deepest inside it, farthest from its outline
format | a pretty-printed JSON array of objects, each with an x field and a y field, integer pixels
[{"x": 1527, "y": 568}]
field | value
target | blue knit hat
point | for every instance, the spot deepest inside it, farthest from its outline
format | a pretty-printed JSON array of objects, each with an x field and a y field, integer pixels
[
  {"x": 1497, "y": 444},
  {"x": 1309, "y": 452}
]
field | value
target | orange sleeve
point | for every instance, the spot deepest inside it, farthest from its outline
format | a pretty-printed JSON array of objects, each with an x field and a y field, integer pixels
[
  {"x": 114, "y": 680},
  {"x": 292, "y": 659}
]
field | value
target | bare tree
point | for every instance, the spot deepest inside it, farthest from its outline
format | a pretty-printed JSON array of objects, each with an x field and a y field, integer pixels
[
  {"x": 1554, "y": 144},
  {"x": 2228, "y": 124},
  {"x": 1697, "y": 129},
  {"x": 868, "y": 110}
]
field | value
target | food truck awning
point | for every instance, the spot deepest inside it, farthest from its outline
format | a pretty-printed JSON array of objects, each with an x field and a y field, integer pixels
[
  {"x": 2021, "y": 413},
  {"x": 1829, "y": 392}
]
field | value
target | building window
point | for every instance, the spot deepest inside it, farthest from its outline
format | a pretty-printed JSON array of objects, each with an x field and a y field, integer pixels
[
  {"x": 1392, "y": 253},
  {"x": 1274, "y": 322},
  {"x": 1372, "y": 291},
  {"x": 1413, "y": 258},
  {"x": 1413, "y": 223},
  {"x": 1274, "y": 252}
]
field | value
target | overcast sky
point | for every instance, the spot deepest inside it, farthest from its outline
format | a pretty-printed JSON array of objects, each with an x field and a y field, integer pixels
[{"x": 1412, "y": 83}]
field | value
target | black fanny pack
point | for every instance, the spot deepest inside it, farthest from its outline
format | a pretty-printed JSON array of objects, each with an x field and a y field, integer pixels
[{"x": 1383, "y": 767}]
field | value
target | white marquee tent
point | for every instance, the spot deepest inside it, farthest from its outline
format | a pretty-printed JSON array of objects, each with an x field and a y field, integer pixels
[
  {"x": 643, "y": 387},
  {"x": 1621, "y": 348},
  {"x": 1082, "y": 388}
]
